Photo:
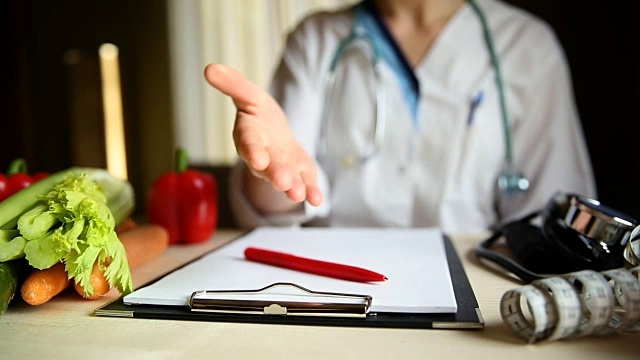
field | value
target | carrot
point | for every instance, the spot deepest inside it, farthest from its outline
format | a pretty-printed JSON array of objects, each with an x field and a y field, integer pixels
[
  {"x": 142, "y": 244},
  {"x": 126, "y": 225},
  {"x": 98, "y": 281},
  {"x": 42, "y": 285}
]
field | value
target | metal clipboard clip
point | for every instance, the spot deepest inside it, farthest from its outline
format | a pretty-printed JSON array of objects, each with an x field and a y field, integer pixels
[{"x": 222, "y": 301}]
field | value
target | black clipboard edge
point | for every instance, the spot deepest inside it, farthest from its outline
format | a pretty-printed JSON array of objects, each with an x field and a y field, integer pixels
[{"x": 468, "y": 315}]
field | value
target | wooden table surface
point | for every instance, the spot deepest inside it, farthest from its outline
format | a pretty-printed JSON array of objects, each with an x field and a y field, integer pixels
[{"x": 65, "y": 328}]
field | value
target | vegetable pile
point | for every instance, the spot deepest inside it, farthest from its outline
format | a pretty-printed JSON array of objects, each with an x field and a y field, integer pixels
[{"x": 67, "y": 220}]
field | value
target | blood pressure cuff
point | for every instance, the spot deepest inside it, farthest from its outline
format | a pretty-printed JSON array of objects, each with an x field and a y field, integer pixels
[{"x": 571, "y": 233}]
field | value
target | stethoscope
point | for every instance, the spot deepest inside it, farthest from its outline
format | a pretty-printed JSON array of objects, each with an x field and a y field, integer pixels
[{"x": 509, "y": 180}]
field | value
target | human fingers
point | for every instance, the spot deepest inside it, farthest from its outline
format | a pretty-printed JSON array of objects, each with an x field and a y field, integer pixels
[
  {"x": 312, "y": 192},
  {"x": 281, "y": 175},
  {"x": 303, "y": 184},
  {"x": 250, "y": 142},
  {"x": 297, "y": 192},
  {"x": 314, "y": 196},
  {"x": 298, "y": 187},
  {"x": 232, "y": 83}
]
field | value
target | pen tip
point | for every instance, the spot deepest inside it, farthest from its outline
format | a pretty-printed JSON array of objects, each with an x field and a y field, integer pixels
[{"x": 385, "y": 278}]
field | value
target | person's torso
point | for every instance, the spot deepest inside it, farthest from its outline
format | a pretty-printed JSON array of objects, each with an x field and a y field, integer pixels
[{"x": 431, "y": 168}]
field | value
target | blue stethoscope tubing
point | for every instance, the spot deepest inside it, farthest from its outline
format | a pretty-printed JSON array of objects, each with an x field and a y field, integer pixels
[
  {"x": 330, "y": 82},
  {"x": 509, "y": 181}
]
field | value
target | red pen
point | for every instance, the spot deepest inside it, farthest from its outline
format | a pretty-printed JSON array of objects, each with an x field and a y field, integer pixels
[{"x": 318, "y": 267}]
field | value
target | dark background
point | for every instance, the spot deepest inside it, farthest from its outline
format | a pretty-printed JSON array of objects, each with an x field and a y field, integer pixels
[
  {"x": 601, "y": 43},
  {"x": 50, "y": 103}
]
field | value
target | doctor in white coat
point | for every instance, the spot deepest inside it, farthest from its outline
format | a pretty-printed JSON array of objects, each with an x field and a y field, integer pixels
[{"x": 446, "y": 113}]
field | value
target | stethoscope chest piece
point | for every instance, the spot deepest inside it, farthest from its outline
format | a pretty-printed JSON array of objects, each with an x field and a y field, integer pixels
[{"x": 510, "y": 182}]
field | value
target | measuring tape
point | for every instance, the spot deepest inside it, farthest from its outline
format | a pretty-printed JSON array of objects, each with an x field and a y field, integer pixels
[
  {"x": 578, "y": 304},
  {"x": 631, "y": 252}
]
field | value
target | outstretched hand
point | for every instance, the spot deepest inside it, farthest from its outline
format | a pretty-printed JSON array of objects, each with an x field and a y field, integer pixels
[{"x": 263, "y": 139}]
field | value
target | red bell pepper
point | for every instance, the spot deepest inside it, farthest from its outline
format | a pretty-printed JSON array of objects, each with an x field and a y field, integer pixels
[
  {"x": 185, "y": 202},
  {"x": 17, "y": 178}
]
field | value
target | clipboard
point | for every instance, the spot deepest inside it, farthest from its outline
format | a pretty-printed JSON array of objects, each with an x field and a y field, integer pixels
[
  {"x": 227, "y": 302},
  {"x": 350, "y": 314}
]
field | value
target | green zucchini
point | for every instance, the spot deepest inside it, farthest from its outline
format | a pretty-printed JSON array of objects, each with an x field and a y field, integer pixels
[{"x": 12, "y": 273}]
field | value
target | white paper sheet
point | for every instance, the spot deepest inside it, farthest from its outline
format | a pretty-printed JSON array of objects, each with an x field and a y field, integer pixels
[{"x": 414, "y": 260}]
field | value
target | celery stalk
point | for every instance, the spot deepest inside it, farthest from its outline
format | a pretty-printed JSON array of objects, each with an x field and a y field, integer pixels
[
  {"x": 70, "y": 217},
  {"x": 22, "y": 201},
  {"x": 36, "y": 222},
  {"x": 11, "y": 245}
]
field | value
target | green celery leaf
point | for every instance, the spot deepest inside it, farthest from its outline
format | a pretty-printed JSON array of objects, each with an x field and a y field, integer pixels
[
  {"x": 68, "y": 237},
  {"x": 118, "y": 273},
  {"x": 80, "y": 264}
]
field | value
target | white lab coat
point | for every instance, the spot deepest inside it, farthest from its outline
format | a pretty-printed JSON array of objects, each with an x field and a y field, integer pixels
[{"x": 443, "y": 171}]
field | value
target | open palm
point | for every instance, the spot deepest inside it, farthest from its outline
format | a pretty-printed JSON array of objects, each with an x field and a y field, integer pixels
[{"x": 263, "y": 139}]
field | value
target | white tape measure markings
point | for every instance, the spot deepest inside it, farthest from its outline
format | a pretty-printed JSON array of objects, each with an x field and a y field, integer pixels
[
  {"x": 577, "y": 304},
  {"x": 626, "y": 289},
  {"x": 597, "y": 301}
]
